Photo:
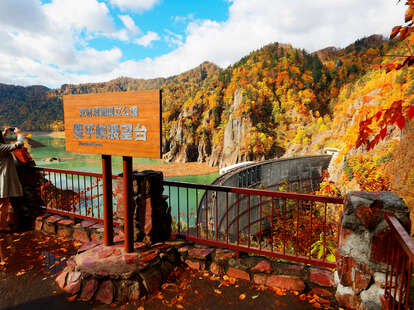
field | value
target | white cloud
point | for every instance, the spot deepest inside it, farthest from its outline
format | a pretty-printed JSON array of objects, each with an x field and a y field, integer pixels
[
  {"x": 129, "y": 24},
  {"x": 147, "y": 39},
  {"x": 91, "y": 15},
  {"x": 49, "y": 44},
  {"x": 135, "y": 5}
]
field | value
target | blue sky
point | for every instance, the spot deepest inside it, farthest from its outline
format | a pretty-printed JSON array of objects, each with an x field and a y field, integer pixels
[{"x": 54, "y": 42}]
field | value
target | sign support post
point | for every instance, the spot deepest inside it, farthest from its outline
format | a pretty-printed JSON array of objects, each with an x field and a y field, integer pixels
[
  {"x": 107, "y": 200},
  {"x": 128, "y": 212}
]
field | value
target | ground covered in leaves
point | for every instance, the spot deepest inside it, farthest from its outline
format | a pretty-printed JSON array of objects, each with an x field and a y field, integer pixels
[{"x": 30, "y": 261}]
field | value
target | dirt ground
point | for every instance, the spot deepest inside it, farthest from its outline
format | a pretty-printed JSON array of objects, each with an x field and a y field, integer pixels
[{"x": 178, "y": 169}]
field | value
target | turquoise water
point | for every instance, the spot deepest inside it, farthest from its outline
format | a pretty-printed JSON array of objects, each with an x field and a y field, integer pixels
[{"x": 179, "y": 199}]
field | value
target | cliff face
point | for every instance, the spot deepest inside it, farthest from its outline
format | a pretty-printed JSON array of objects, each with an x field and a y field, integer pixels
[{"x": 228, "y": 152}]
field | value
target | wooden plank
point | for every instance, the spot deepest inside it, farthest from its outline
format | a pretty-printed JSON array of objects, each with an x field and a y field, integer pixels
[{"x": 121, "y": 123}]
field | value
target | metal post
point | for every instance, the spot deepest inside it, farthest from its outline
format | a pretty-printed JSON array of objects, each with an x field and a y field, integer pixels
[
  {"x": 107, "y": 200},
  {"x": 127, "y": 191}
]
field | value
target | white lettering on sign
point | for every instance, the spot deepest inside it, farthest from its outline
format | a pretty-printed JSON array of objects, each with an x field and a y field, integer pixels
[
  {"x": 140, "y": 133},
  {"x": 123, "y": 111}
]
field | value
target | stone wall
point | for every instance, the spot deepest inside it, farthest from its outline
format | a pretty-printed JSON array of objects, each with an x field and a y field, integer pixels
[{"x": 362, "y": 248}]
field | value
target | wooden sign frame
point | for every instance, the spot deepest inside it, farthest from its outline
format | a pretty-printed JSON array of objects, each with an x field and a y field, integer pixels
[{"x": 120, "y": 123}]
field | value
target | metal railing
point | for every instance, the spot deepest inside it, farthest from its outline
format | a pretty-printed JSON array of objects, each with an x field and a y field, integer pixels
[
  {"x": 292, "y": 226},
  {"x": 400, "y": 259},
  {"x": 75, "y": 194}
]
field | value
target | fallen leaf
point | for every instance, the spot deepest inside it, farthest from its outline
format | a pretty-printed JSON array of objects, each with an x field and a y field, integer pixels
[
  {"x": 255, "y": 296},
  {"x": 2, "y": 263},
  {"x": 302, "y": 297},
  {"x": 72, "y": 298},
  {"x": 296, "y": 293},
  {"x": 179, "y": 306},
  {"x": 140, "y": 308},
  {"x": 317, "y": 305},
  {"x": 226, "y": 277},
  {"x": 242, "y": 296},
  {"x": 218, "y": 292},
  {"x": 18, "y": 274},
  {"x": 180, "y": 298}
]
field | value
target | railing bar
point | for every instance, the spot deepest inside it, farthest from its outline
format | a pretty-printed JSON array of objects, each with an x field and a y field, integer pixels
[
  {"x": 396, "y": 275},
  {"x": 238, "y": 212},
  {"x": 97, "y": 193},
  {"x": 227, "y": 217},
  {"x": 216, "y": 215},
  {"x": 248, "y": 221},
  {"x": 178, "y": 210},
  {"x": 271, "y": 225},
  {"x": 388, "y": 268},
  {"x": 84, "y": 193},
  {"x": 197, "y": 215},
  {"x": 395, "y": 249},
  {"x": 407, "y": 289},
  {"x": 324, "y": 232},
  {"x": 188, "y": 218},
  {"x": 79, "y": 192},
  {"x": 206, "y": 206},
  {"x": 402, "y": 274},
  {"x": 284, "y": 228},
  {"x": 311, "y": 230},
  {"x": 297, "y": 226},
  {"x": 402, "y": 236},
  {"x": 73, "y": 201},
  {"x": 90, "y": 181},
  {"x": 260, "y": 223},
  {"x": 56, "y": 194},
  {"x": 259, "y": 192}
]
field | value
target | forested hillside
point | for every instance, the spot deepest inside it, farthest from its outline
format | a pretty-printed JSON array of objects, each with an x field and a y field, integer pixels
[{"x": 260, "y": 107}]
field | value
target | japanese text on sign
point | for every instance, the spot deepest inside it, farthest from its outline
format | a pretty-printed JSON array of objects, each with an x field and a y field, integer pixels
[{"x": 110, "y": 131}]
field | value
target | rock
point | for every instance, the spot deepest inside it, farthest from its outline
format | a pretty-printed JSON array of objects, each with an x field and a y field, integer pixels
[
  {"x": 263, "y": 266},
  {"x": 200, "y": 253},
  {"x": 216, "y": 269},
  {"x": 81, "y": 235},
  {"x": 321, "y": 292},
  {"x": 88, "y": 290},
  {"x": 105, "y": 292},
  {"x": 361, "y": 280},
  {"x": 372, "y": 297},
  {"x": 346, "y": 297},
  {"x": 321, "y": 277},
  {"x": 223, "y": 255},
  {"x": 238, "y": 274},
  {"x": 286, "y": 282},
  {"x": 370, "y": 216},
  {"x": 52, "y": 159},
  {"x": 74, "y": 276},
  {"x": 259, "y": 279},
  {"x": 197, "y": 265},
  {"x": 64, "y": 231},
  {"x": 87, "y": 246},
  {"x": 379, "y": 279},
  {"x": 379, "y": 246}
]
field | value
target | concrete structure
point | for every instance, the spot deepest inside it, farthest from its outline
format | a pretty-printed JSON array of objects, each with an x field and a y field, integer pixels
[{"x": 297, "y": 174}]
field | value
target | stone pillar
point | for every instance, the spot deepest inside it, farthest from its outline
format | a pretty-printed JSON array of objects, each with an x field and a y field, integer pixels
[
  {"x": 152, "y": 216},
  {"x": 362, "y": 247}
]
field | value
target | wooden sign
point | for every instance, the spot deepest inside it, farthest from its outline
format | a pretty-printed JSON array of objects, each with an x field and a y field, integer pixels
[{"x": 121, "y": 123}]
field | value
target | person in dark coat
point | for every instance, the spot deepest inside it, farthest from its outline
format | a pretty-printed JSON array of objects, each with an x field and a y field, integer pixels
[{"x": 9, "y": 182}]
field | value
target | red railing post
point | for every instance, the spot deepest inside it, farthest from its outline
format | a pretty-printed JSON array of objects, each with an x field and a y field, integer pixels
[
  {"x": 127, "y": 193},
  {"x": 107, "y": 200}
]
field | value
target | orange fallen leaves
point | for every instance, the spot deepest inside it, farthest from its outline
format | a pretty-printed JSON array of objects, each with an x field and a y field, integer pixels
[
  {"x": 140, "y": 308},
  {"x": 242, "y": 296},
  {"x": 21, "y": 272},
  {"x": 72, "y": 298},
  {"x": 179, "y": 306},
  {"x": 218, "y": 291}
]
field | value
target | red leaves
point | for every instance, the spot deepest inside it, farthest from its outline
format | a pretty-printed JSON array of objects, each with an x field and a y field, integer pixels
[
  {"x": 392, "y": 116},
  {"x": 395, "y": 31},
  {"x": 401, "y": 121},
  {"x": 410, "y": 112}
]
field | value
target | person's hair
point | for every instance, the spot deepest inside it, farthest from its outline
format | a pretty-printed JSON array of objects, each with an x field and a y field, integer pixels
[{"x": 1, "y": 137}]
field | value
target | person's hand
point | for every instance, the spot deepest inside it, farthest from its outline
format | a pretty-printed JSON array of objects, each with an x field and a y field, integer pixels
[
  {"x": 6, "y": 131},
  {"x": 19, "y": 144}
]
